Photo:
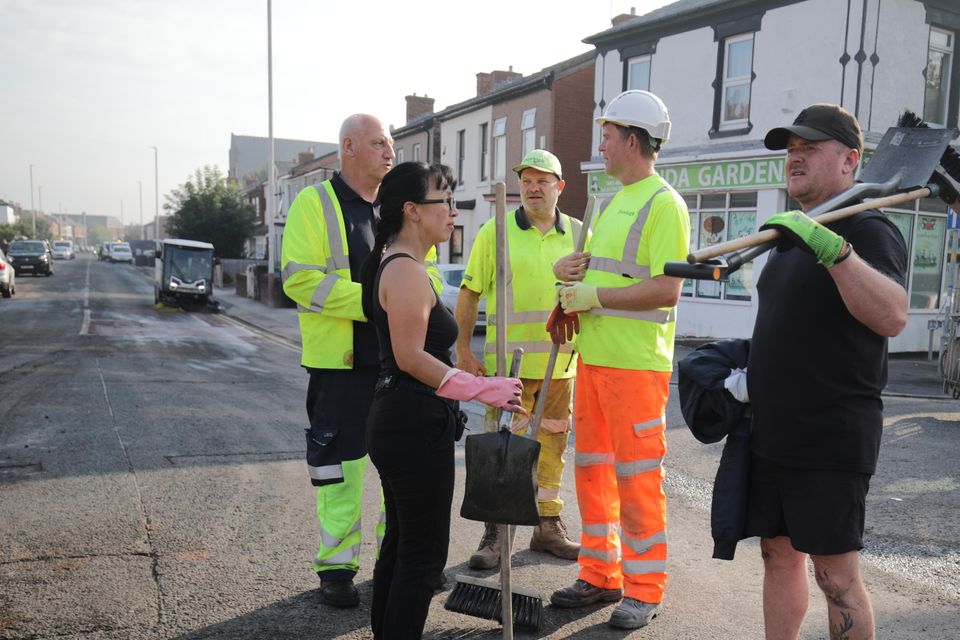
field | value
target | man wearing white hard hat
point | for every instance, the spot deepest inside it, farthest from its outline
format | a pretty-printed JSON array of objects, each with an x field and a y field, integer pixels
[{"x": 627, "y": 308}]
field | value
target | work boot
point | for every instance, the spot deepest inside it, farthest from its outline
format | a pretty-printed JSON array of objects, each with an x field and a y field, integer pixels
[
  {"x": 339, "y": 593},
  {"x": 582, "y": 593},
  {"x": 487, "y": 555},
  {"x": 550, "y": 536},
  {"x": 633, "y": 614}
]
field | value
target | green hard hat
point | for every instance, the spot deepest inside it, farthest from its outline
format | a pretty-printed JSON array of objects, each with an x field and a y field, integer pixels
[{"x": 542, "y": 160}]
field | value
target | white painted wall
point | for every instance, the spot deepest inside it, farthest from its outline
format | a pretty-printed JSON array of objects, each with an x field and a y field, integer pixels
[{"x": 472, "y": 187}]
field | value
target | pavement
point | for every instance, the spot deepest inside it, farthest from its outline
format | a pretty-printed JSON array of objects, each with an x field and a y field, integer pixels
[{"x": 910, "y": 375}]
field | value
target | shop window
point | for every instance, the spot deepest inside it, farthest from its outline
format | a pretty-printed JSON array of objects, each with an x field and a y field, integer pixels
[
  {"x": 924, "y": 228},
  {"x": 638, "y": 73},
  {"x": 499, "y": 148},
  {"x": 937, "y": 73},
  {"x": 484, "y": 151},
  {"x": 528, "y": 128},
  {"x": 716, "y": 218}
]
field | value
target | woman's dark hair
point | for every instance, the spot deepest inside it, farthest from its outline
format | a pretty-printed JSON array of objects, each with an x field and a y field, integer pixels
[{"x": 406, "y": 182}]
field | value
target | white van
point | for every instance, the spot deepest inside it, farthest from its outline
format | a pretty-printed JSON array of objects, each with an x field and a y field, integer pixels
[
  {"x": 120, "y": 252},
  {"x": 63, "y": 250}
]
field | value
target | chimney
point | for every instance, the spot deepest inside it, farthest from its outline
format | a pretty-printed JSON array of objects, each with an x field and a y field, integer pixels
[
  {"x": 305, "y": 156},
  {"x": 418, "y": 106},
  {"x": 623, "y": 17},
  {"x": 487, "y": 82}
]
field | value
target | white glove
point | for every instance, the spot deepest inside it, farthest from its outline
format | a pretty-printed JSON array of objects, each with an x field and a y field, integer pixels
[{"x": 736, "y": 384}]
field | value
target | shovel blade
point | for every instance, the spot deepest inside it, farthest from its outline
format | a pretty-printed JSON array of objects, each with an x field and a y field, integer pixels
[
  {"x": 913, "y": 153},
  {"x": 501, "y": 482}
]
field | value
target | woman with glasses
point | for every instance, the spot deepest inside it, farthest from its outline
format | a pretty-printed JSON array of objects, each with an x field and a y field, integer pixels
[{"x": 415, "y": 417}]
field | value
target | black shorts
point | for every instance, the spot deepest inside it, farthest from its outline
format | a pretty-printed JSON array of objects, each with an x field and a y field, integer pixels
[{"x": 822, "y": 512}]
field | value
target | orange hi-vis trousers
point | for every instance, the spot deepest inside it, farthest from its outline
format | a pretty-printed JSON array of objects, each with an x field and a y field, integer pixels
[{"x": 619, "y": 425}]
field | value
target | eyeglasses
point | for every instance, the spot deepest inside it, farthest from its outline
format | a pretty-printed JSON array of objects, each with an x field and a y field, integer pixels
[{"x": 450, "y": 201}]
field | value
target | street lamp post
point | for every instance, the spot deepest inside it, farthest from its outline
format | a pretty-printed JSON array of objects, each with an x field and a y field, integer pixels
[
  {"x": 156, "y": 194},
  {"x": 142, "y": 236},
  {"x": 32, "y": 210}
]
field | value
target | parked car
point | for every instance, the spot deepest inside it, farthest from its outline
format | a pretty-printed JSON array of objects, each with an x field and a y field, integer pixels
[
  {"x": 120, "y": 252},
  {"x": 31, "y": 256},
  {"x": 63, "y": 250},
  {"x": 8, "y": 277},
  {"x": 452, "y": 276}
]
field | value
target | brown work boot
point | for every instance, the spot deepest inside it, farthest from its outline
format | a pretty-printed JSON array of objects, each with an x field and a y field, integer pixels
[
  {"x": 550, "y": 536},
  {"x": 487, "y": 555}
]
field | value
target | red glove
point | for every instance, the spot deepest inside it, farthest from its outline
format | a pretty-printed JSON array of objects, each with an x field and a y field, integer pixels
[{"x": 562, "y": 326}]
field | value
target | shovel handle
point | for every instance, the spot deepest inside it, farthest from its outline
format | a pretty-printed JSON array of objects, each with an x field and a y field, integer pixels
[{"x": 768, "y": 235}]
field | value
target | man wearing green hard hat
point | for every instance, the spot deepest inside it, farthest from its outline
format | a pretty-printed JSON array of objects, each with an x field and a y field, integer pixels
[{"x": 537, "y": 235}]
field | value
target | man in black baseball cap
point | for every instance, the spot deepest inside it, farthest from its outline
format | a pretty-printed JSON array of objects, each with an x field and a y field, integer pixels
[
  {"x": 820, "y": 122},
  {"x": 817, "y": 367}
]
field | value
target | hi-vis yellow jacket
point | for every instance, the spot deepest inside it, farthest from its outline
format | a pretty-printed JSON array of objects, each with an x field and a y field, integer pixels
[
  {"x": 645, "y": 226},
  {"x": 531, "y": 292},
  {"x": 316, "y": 275}
]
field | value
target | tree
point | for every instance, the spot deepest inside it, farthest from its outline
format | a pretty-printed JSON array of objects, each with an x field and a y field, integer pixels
[
  {"x": 98, "y": 234},
  {"x": 209, "y": 208}
]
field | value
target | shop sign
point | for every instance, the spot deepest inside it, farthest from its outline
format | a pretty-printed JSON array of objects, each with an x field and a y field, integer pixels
[{"x": 701, "y": 176}]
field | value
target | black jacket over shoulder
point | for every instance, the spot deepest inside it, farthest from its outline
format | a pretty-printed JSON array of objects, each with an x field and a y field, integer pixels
[{"x": 712, "y": 414}]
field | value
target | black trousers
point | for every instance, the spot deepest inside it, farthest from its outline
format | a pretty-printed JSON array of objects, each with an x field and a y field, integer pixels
[{"x": 410, "y": 438}]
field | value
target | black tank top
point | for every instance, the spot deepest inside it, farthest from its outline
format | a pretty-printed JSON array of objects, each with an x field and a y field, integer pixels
[{"x": 441, "y": 329}]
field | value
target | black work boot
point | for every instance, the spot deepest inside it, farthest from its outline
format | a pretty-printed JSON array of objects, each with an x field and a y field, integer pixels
[
  {"x": 582, "y": 593},
  {"x": 339, "y": 593}
]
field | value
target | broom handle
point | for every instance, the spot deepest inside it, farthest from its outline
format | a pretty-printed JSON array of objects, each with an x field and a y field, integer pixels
[
  {"x": 767, "y": 235},
  {"x": 555, "y": 348},
  {"x": 505, "y": 531}
]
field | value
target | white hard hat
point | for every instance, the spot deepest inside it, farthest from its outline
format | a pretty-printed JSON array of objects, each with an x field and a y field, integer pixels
[{"x": 637, "y": 108}]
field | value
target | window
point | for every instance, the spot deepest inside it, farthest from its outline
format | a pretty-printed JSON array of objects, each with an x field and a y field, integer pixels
[
  {"x": 456, "y": 249},
  {"x": 484, "y": 151},
  {"x": 638, "y": 73},
  {"x": 716, "y": 218},
  {"x": 416, "y": 152},
  {"x": 937, "y": 85},
  {"x": 461, "y": 143},
  {"x": 923, "y": 225},
  {"x": 737, "y": 75},
  {"x": 528, "y": 127},
  {"x": 399, "y": 156},
  {"x": 500, "y": 148}
]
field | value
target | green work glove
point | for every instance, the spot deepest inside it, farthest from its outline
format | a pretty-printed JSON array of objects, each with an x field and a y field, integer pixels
[
  {"x": 807, "y": 234},
  {"x": 577, "y": 296}
]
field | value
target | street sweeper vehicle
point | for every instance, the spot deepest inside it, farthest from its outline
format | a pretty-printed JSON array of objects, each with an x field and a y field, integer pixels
[{"x": 183, "y": 274}]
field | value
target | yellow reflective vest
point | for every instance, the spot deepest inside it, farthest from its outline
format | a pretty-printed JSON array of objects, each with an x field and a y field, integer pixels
[
  {"x": 316, "y": 275},
  {"x": 531, "y": 291},
  {"x": 645, "y": 226}
]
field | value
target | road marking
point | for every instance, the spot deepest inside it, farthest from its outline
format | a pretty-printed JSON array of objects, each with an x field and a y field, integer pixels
[{"x": 85, "y": 325}]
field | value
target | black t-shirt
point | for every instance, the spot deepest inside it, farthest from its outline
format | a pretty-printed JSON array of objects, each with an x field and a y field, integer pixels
[
  {"x": 441, "y": 328},
  {"x": 360, "y": 219},
  {"x": 815, "y": 373}
]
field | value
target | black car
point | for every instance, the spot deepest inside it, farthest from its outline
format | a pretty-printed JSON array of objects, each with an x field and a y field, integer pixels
[{"x": 31, "y": 256}]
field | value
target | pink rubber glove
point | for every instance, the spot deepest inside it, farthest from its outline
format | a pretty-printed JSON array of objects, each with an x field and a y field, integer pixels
[{"x": 496, "y": 391}]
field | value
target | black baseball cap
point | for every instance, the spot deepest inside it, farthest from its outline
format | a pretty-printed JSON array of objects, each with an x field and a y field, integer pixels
[{"x": 819, "y": 122}]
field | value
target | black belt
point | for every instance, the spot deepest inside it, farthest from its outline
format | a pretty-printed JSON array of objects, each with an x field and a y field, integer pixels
[{"x": 403, "y": 383}]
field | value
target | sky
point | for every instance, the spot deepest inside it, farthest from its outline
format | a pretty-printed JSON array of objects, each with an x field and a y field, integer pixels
[{"x": 87, "y": 88}]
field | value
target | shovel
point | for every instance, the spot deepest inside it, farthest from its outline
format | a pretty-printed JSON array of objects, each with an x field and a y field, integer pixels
[{"x": 904, "y": 167}]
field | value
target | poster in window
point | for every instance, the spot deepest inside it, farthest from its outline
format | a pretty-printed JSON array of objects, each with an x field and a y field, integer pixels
[
  {"x": 927, "y": 262},
  {"x": 711, "y": 232},
  {"x": 740, "y": 285}
]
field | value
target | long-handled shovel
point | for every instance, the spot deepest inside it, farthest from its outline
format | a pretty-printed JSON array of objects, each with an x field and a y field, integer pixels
[{"x": 911, "y": 162}]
